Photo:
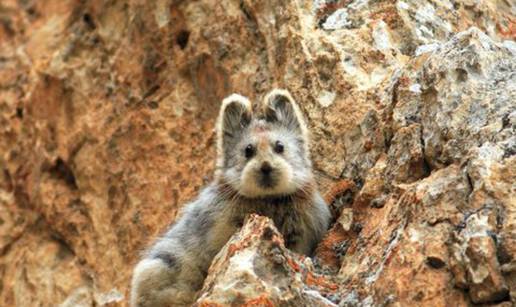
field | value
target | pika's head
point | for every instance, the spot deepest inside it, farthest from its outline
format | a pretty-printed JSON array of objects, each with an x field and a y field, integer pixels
[{"x": 263, "y": 154}]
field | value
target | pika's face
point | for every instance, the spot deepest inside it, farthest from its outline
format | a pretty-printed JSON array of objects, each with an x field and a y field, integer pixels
[
  {"x": 269, "y": 160},
  {"x": 263, "y": 155}
]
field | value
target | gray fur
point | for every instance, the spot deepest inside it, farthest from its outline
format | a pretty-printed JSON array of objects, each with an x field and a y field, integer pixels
[
  {"x": 174, "y": 268},
  {"x": 234, "y": 121},
  {"x": 280, "y": 111}
]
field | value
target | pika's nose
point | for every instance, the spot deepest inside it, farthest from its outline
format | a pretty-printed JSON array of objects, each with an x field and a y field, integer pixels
[{"x": 266, "y": 168}]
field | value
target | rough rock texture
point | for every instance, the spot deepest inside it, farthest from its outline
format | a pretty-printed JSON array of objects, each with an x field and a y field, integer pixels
[
  {"x": 255, "y": 268},
  {"x": 106, "y": 129}
]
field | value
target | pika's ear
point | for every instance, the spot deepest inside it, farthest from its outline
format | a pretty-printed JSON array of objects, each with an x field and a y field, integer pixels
[
  {"x": 279, "y": 107},
  {"x": 235, "y": 114}
]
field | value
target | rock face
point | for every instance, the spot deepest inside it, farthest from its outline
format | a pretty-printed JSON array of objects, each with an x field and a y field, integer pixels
[
  {"x": 255, "y": 268},
  {"x": 106, "y": 130}
]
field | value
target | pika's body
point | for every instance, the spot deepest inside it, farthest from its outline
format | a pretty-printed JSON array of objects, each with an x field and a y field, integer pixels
[{"x": 263, "y": 167}]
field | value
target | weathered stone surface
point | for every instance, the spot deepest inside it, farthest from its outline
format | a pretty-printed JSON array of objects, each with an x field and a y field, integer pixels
[
  {"x": 460, "y": 95},
  {"x": 106, "y": 129},
  {"x": 255, "y": 268},
  {"x": 445, "y": 164},
  {"x": 486, "y": 281}
]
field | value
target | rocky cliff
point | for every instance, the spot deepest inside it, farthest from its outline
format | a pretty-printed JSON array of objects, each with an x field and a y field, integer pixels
[{"x": 107, "y": 110}]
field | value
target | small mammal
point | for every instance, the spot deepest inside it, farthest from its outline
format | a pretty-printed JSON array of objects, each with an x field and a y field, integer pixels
[{"x": 262, "y": 167}]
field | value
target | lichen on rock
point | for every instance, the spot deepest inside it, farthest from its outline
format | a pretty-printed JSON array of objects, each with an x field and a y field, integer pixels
[{"x": 255, "y": 268}]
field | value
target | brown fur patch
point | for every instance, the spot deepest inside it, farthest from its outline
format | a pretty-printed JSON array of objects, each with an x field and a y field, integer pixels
[{"x": 263, "y": 141}]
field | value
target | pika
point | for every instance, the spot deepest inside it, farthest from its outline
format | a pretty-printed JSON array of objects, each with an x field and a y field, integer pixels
[{"x": 263, "y": 167}]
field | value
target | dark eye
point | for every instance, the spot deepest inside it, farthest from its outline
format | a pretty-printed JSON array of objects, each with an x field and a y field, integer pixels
[
  {"x": 278, "y": 147},
  {"x": 249, "y": 151}
]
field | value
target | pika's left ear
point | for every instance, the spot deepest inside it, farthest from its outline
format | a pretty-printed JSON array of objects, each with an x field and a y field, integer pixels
[
  {"x": 279, "y": 107},
  {"x": 235, "y": 115}
]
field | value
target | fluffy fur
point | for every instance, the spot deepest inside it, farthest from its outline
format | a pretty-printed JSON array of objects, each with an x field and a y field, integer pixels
[{"x": 263, "y": 167}]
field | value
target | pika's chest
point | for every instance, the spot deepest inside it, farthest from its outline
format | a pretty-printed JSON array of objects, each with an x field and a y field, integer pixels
[
  {"x": 287, "y": 218},
  {"x": 284, "y": 214}
]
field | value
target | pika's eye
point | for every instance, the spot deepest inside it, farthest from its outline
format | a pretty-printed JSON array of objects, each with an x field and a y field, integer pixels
[
  {"x": 278, "y": 147},
  {"x": 249, "y": 151}
]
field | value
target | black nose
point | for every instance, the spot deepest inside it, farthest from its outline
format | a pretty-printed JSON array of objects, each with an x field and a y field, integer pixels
[{"x": 266, "y": 168}]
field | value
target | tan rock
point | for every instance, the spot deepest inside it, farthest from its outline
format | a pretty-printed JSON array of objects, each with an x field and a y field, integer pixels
[
  {"x": 255, "y": 268},
  {"x": 486, "y": 281}
]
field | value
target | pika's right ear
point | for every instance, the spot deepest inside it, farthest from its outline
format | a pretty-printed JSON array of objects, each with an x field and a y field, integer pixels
[
  {"x": 279, "y": 107},
  {"x": 235, "y": 114}
]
